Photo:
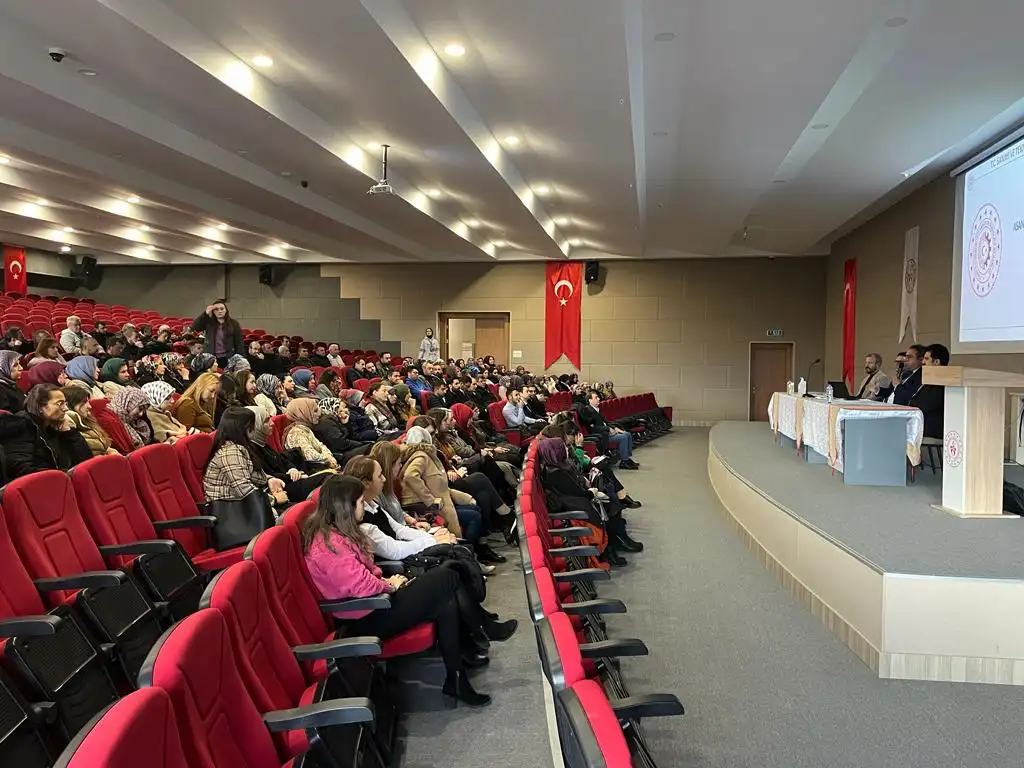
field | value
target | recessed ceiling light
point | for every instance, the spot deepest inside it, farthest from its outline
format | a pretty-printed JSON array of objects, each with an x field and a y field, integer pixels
[
  {"x": 499, "y": 243},
  {"x": 472, "y": 223},
  {"x": 575, "y": 241},
  {"x": 69, "y": 229},
  {"x": 433, "y": 192},
  {"x": 150, "y": 247},
  {"x": 895, "y": 21},
  {"x": 65, "y": 249},
  {"x": 215, "y": 246},
  {"x": 665, "y": 37},
  {"x": 88, "y": 72},
  {"x": 133, "y": 199},
  {"x": 283, "y": 246},
  {"x": 373, "y": 145},
  {"x": 455, "y": 49},
  {"x": 242, "y": 152},
  {"x": 543, "y": 189},
  {"x": 286, "y": 174},
  {"x": 4, "y": 159},
  {"x": 512, "y": 140},
  {"x": 42, "y": 201},
  {"x": 561, "y": 220},
  {"x": 262, "y": 61},
  {"x": 222, "y": 227},
  {"x": 144, "y": 227},
  {"x": 819, "y": 126}
]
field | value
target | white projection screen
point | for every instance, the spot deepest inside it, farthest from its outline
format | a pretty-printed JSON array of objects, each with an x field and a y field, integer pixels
[{"x": 988, "y": 260}]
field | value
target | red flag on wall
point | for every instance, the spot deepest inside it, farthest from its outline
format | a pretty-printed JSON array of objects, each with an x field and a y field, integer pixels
[
  {"x": 849, "y": 319},
  {"x": 563, "y": 298},
  {"x": 15, "y": 275}
]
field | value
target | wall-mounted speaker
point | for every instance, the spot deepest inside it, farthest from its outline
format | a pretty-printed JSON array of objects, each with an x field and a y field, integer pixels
[
  {"x": 267, "y": 274},
  {"x": 88, "y": 273},
  {"x": 591, "y": 271}
]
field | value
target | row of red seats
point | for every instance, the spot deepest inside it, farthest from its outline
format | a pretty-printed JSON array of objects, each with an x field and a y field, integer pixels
[
  {"x": 632, "y": 406},
  {"x": 599, "y": 722}
]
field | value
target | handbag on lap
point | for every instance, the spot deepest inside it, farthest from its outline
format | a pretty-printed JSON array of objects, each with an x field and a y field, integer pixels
[{"x": 239, "y": 520}]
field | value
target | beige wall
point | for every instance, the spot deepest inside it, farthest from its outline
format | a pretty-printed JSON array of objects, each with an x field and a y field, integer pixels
[
  {"x": 679, "y": 328},
  {"x": 878, "y": 248}
]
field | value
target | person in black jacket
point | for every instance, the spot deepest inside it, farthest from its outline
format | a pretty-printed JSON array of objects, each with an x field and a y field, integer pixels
[
  {"x": 223, "y": 333},
  {"x": 930, "y": 398},
  {"x": 12, "y": 399},
  {"x": 592, "y": 421},
  {"x": 534, "y": 398},
  {"x": 566, "y": 489},
  {"x": 333, "y": 431},
  {"x": 442, "y": 397},
  {"x": 39, "y": 438}
]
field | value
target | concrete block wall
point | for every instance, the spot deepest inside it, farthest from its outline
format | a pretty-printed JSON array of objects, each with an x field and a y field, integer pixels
[{"x": 679, "y": 328}]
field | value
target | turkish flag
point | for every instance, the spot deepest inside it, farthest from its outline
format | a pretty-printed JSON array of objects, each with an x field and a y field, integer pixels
[
  {"x": 15, "y": 275},
  {"x": 563, "y": 299},
  {"x": 849, "y": 320}
]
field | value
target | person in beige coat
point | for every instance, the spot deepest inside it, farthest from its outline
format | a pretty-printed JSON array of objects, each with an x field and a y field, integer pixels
[
  {"x": 166, "y": 428},
  {"x": 425, "y": 482}
]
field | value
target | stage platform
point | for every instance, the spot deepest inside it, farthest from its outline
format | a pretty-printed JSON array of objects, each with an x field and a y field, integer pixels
[{"x": 914, "y": 592}]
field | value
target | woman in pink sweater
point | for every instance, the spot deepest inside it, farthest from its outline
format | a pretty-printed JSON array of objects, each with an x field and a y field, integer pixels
[{"x": 339, "y": 557}]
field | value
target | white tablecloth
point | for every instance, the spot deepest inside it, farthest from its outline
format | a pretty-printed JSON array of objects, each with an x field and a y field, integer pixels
[{"x": 816, "y": 415}]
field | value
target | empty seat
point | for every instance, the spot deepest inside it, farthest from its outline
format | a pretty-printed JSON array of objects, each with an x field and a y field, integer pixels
[
  {"x": 172, "y": 509},
  {"x": 114, "y": 514},
  {"x": 192, "y": 452},
  {"x": 54, "y": 543},
  {"x": 194, "y": 662}
]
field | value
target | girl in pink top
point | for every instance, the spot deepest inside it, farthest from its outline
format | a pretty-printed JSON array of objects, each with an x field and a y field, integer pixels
[{"x": 340, "y": 562}]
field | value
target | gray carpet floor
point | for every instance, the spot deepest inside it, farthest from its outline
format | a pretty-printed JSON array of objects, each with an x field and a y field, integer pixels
[
  {"x": 896, "y": 529},
  {"x": 764, "y": 684},
  {"x": 513, "y": 730}
]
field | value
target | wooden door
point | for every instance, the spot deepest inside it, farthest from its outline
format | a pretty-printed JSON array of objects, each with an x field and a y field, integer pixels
[
  {"x": 771, "y": 366},
  {"x": 492, "y": 337}
]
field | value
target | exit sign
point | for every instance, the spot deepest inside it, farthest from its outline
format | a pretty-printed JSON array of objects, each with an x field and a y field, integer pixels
[{"x": 773, "y": 333}]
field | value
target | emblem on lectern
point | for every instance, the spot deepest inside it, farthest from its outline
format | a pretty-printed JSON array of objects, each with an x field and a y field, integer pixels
[
  {"x": 953, "y": 448},
  {"x": 985, "y": 250}
]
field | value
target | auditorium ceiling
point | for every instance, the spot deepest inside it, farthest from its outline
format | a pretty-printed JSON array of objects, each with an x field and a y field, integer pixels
[{"x": 204, "y": 131}]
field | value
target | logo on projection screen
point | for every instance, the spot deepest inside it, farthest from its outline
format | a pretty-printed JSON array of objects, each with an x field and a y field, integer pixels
[
  {"x": 985, "y": 251},
  {"x": 953, "y": 448}
]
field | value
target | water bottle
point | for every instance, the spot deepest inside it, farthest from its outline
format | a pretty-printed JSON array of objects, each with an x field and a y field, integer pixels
[{"x": 828, "y": 393}]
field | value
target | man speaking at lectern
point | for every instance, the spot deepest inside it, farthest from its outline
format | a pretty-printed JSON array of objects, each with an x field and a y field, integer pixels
[{"x": 929, "y": 398}]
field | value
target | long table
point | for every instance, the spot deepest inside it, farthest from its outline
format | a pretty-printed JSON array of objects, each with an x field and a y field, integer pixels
[{"x": 818, "y": 424}]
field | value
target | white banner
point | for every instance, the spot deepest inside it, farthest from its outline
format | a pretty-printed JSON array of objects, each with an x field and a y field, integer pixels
[{"x": 911, "y": 273}]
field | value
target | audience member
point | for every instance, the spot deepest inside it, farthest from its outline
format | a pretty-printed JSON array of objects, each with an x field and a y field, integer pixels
[
  {"x": 47, "y": 351},
  {"x": 100, "y": 333},
  {"x": 71, "y": 338},
  {"x": 197, "y": 406},
  {"x": 40, "y": 437},
  {"x": 223, "y": 333},
  {"x": 334, "y": 356},
  {"x": 301, "y": 380},
  {"x": 166, "y": 428},
  {"x": 50, "y": 372},
  {"x": 79, "y": 414},
  {"x": 328, "y": 385},
  {"x": 233, "y": 470},
  {"x": 304, "y": 414},
  {"x": 133, "y": 342},
  {"x": 161, "y": 343},
  {"x": 340, "y": 562},
  {"x": 592, "y": 420},
  {"x": 332, "y": 430},
  {"x": 319, "y": 356},
  {"x": 270, "y": 394},
  {"x": 12, "y": 399},
  {"x": 114, "y": 376},
  {"x": 515, "y": 414},
  {"x": 403, "y": 404},
  {"x": 130, "y": 405},
  {"x": 379, "y": 411},
  {"x": 355, "y": 373},
  {"x": 415, "y": 382},
  {"x": 203, "y": 363}
]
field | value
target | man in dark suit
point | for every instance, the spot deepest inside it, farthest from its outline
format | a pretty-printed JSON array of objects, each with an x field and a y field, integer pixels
[
  {"x": 931, "y": 399},
  {"x": 441, "y": 398},
  {"x": 592, "y": 420}
]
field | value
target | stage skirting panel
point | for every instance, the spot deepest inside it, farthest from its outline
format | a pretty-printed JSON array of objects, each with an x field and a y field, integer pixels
[{"x": 910, "y": 626}]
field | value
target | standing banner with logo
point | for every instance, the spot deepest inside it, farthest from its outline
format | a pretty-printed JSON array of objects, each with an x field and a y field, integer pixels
[
  {"x": 563, "y": 299},
  {"x": 908, "y": 304},
  {"x": 15, "y": 274}
]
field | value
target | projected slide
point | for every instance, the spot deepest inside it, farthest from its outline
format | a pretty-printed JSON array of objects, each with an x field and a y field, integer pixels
[{"x": 992, "y": 267}]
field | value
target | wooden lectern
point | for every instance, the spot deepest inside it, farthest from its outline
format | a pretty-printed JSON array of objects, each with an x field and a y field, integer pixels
[{"x": 972, "y": 446}]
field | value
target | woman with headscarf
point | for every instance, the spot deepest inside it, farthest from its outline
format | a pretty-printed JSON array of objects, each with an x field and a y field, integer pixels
[
  {"x": 472, "y": 428},
  {"x": 237, "y": 364},
  {"x": 81, "y": 417},
  {"x": 304, "y": 414},
  {"x": 203, "y": 363},
  {"x": 270, "y": 394},
  {"x": 50, "y": 372},
  {"x": 151, "y": 368},
  {"x": 12, "y": 399},
  {"x": 178, "y": 373},
  {"x": 302, "y": 379},
  {"x": 332, "y": 430},
  {"x": 130, "y": 404},
  {"x": 360, "y": 427},
  {"x": 114, "y": 376},
  {"x": 40, "y": 437},
  {"x": 566, "y": 489},
  {"x": 195, "y": 408},
  {"x": 297, "y": 484},
  {"x": 84, "y": 371},
  {"x": 166, "y": 428}
]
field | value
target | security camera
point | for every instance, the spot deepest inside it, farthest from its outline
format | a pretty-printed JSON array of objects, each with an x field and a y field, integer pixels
[
  {"x": 58, "y": 54},
  {"x": 304, "y": 184}
]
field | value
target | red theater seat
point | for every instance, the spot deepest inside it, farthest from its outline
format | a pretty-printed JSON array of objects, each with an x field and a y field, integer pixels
[{"x": 192, "y": 452}]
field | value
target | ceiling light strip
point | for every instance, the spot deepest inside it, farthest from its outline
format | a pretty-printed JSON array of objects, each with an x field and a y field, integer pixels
[
  {"x": 410, "y": 42},
  {"x": 633, "y": 18}
]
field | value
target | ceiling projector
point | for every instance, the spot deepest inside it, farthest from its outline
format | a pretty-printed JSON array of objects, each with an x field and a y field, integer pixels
[{"x": 382, "y": 187}]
